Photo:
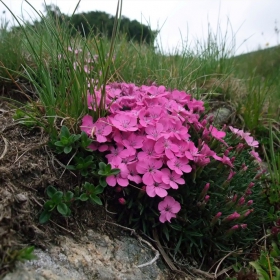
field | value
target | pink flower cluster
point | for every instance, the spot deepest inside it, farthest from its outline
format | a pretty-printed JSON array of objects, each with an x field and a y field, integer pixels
[{"x": 146, "y": 135}]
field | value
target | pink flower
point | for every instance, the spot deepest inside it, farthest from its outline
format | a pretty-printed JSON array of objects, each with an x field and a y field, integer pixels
[
  {"x": 216, "y": 133},
  {"x": 133, "y": 142},
  {"x": 171, "y": 179},
  {"x": 117, "y": 154},
  {"x": 150, "y": 169},
  {"x": 157, "y": 189},
  {"x": 154, "y": 131},
  {"x": 251, "y": 142},
  {"x": 255, "y": 155},
  {"x": 168, "y": 208},
  {"x": 124, "y": 122},
  {"x": 179, "y": 165},
  {"x": 100, "y": 129},
  {"x": 192, "y": 151},
  {"x": 133, "y": 174},
  {"x": 165, "y": 145},
  {"x": 120, "y": 178},
  {"x": 148, "y": 150}
]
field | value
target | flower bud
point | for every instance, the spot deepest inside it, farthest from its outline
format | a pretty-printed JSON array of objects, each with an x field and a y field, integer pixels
[
  {"x": 118, "y": 189},
  {"x": 243, "y": 226},
  {"x": 250, "y": 202},
  {"x": 241, "y": 201},
  {"x": 206, "y": 199},
  {"x": 248, "y": 192},
  {"x": 231, "y": 217},
  {"x": 232, "y": 229},
  {"x": 244, "y": 167},
  {"x": 248, "y": 212},
  {"x": 122, "y": 201},
  {"x": 251, "y": 185},
  {"x": 215, "y": 219},
  {"x": 240, "y": 147},
  {"x": 204, "y": 191}
]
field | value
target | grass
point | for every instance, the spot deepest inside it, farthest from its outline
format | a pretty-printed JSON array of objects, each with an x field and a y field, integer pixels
[{"x": 41, "y": 55}]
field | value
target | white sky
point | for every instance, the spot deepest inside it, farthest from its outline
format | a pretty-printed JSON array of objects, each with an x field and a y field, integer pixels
[{"x": 252, "y": 22}]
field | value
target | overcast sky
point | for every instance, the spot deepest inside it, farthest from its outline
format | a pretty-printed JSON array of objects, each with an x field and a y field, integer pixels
[{"x": 251, "y": 23}]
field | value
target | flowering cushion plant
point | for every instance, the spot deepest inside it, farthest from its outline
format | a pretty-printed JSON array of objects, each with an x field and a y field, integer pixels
[{"x": 175, "y": 163}]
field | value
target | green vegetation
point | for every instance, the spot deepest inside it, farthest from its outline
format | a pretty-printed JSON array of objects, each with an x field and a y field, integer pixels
[{"x": 72, "y": 74}]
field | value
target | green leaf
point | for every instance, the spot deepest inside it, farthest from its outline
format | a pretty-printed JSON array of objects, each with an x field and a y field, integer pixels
[
  {"x": 70, "y": 167},
  {"x": 57, "y": 197},
  {"x": 83, "y": 197},
  {"x": 44, "y": 217},
  {"x": 176, "y": 227},
  {"x": 49, "y": 205},
  {"x": 59, "y": 144},
  {"x": 98, "y": 190},
  {"x": 263, "y": 275},
  {"x": 64, "y": 132},
  {"x": 95, "y": 200},
  {"x": 67, "y": 149},
  {"x": 166, "y": 232},
  {"x": 62, "y": 208},
  {"x": 115, "y": 171},
  {"x": 102, "y": 165},
  {"x": 51, "y": 191},
  {"x": 69, "y": 195},
  {"x": 84, "y": 173},
  {"x": 102, "y": 182}
]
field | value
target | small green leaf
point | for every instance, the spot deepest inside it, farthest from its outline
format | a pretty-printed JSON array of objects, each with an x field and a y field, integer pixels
[
  {"x": 83, "y": 197},
  {"x": 115, "y": 171},
  {"x": 57, "y": 197},
  {"x": 98, "y": 190},
  {"x": 70, "y": 167},
  {"x": 67, "y": 149},
  {"x": 51, "y": 191},
  {"x": 64, "y": 131},
  {"x": 59, "y": 144},
  {"x": 102, "y": 182},
  {"x": 69, "y": 195},
  {"x": 49, "y": 205},
  {"x": 62, "y": 208},
  {"x": 44, "y": 217},
  {"x": 102, "y": 165},
  {"x": 95, "y": 200}
]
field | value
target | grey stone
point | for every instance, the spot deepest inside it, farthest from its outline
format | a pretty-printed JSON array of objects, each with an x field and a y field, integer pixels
[{"x": 96, "y": 257}]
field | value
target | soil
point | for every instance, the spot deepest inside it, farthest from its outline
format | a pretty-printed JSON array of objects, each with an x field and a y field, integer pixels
[{"x": 27, "y": 167}]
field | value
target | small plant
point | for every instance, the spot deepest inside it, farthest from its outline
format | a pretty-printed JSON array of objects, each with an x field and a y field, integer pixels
[
  {"x": 58, "y": 201},
  {"x": 90, "y": 192},
  {"x": 66, "y": 141},
  {"x": 266, "y": 267}
]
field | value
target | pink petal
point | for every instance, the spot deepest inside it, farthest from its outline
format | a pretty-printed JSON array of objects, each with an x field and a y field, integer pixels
[
  {"x": 160, "y": 192},
  {"x": 122, "y": 182},
  {"x": 186, "y": 168},
  {"x": 111, "y": 180},
  {"x": 150, "y": 190},
  {"x": 148, "y": 179}
]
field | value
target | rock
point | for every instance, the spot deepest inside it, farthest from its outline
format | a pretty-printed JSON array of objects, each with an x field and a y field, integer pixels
[
  {"x": 221, "y": 115},
  {"x": 95, "y": 257}
]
